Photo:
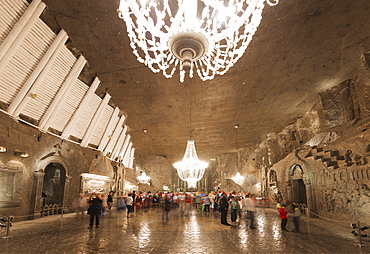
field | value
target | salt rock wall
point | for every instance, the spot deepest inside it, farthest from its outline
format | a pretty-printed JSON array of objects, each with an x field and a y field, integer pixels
[
  {"x": 43, "y": 149},
  {"x": 158, "y": 168}
]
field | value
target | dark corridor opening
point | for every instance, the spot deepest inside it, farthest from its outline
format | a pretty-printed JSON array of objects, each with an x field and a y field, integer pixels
[
  {"x": 53, "y": 186},
  {"x": 299, "y": 191}
]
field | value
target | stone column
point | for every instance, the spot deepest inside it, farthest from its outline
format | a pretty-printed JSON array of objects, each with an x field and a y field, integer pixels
[
  {"x": 36, "y": 195},
  {"x": 311, "y": 204},
  {"x": 289, "y": 190}
]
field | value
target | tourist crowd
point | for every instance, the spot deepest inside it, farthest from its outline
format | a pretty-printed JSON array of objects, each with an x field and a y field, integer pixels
[{"x": 236, "y": 205}]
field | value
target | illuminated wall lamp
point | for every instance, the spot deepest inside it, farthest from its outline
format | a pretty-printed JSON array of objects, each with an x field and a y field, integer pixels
[
  {"x": 20, "y": 153},
  {"x": 2, "y": 149}
]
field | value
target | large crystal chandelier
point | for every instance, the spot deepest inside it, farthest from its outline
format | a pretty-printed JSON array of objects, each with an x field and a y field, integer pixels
[
  {"x": 238, "y": 179},
  {"x": 190, "y": 169},
  {"x": 143, "y": 178},
  {"x": 207, "y": 35}
]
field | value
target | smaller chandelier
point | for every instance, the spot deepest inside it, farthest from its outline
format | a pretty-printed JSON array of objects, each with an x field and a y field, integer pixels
[
  {"x": 190, "y": 169},
  {"x": 143, "y": 178},
  {"x": 238, "y": 179}
]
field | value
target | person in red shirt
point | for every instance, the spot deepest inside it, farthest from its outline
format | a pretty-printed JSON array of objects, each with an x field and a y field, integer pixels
[{"x": 283, "y": 212}]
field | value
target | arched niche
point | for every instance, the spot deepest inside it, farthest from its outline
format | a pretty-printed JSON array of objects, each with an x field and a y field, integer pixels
[
  {"x": 54, "y": 180},
  {"x": 297, "y": 185},
  {"x": 53, "y": 184},
  {"x": 10, "y": 174}
]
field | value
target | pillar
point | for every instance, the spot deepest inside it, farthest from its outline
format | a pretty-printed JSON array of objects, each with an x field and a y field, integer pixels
[{"x": 36, "y": 195}]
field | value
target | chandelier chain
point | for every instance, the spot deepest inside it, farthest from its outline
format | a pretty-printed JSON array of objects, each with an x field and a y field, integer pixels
[{"x": 190, "y": 110}]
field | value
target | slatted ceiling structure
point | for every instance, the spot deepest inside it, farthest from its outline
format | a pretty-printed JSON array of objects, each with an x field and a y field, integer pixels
[
  {"x": 25, "y": 59},
  {"x": 113, "y": 141},
  {"x": 83, "y": 122},
  {"x": 27, "y": 56},
  {"x": 127, "y": 156},
  {"x": 108, "y": 132},
  {"x": 123, "y": 149},
  {"x": 10, "y": 13},
  {"x": 132, "y": 155},
  {"x": 50, "y": 85},
  {"x": 103, "y": 124},
  {"x": 114, "y": 137},
  {"x": 67, "y": 109},
  {"x": 119, "y": 143}
]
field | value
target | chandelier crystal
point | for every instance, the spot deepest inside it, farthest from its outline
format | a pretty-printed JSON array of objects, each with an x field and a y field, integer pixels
[
  {"x": 206, "y": 35},
  {"x": 190, "y": 169}
]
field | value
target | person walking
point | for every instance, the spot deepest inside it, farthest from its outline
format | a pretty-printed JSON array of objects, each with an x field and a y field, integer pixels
[
  {"x": 234, "y": 206},
  {"x": 138, "y": 202},
  {"x": 129, "y": 203},
  {"x": 181, "y": 202},
  {"x": 283, "y": 212},
  {"x": 110, "y": 200},
  {"x": 104, "y": 204},
  {"x": 296, "y": 216},
  {"x": 224, "y": 207},
  {"x": 167, "y": 206},
  {"x": 198, "y": 202},
  {"x": 188, "y": 204},
  {"x": 95, "y": 201},
  {"x": 206, "y": 202},
  {"x": 80, "y": 205},
  {"x": 250, "y": 207}
]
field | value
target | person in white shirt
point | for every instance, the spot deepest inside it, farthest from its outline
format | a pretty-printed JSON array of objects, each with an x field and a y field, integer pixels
[{"x": 129, "y": 203}]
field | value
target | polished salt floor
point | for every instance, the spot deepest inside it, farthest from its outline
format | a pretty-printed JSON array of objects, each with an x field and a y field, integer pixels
[{"x": 200, "y": 232}]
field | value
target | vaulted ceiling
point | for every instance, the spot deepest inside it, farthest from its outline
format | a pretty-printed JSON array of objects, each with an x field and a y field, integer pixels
[{"x": 300, "y": 49}]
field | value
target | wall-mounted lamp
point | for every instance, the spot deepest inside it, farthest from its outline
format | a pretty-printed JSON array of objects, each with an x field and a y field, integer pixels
[
  {"x": 2, "y": 149},
  {"x": 20, "y": 153}
]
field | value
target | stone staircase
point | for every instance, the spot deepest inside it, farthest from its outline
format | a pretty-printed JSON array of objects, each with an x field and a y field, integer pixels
[{"x": 331, "y": 158}]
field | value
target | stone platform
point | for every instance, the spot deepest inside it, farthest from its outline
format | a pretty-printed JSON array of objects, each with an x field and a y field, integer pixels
[{"x": 199, "y": 232}]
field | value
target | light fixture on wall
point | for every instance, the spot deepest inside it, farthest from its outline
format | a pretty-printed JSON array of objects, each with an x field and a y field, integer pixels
[
  {"x": 2, "y": 149},
  {"x": 21, "y": 153},
  {"x": 238, "y": 178},
  {"x": 208, "y": 35},
  {"x": 190, "y": 169},
  {"x": 143, "y": 178}
]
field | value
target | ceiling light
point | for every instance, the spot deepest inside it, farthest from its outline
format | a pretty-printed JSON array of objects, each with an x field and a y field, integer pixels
[
  {"x": 238, "y": 179},
  {"x": 207, "y": 35},
  {"x": 190, "y": 169},
  {"x": 143, "y": 178}
]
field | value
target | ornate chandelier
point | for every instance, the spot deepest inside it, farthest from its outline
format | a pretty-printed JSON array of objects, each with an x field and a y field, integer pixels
[
  {"x": 238, "y": 179},
  {"x": 143, "y": 178},
  {"x": 207, "y": 35},
  {"x": 190, "y": 169}
]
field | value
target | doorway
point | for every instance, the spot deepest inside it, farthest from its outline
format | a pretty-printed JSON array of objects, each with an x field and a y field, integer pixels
[
  {"x": 298, "y": 187},
  {"x": 53, "y": 185}
]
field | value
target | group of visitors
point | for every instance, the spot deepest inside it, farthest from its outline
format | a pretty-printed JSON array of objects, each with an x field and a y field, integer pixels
[
  {"x": 238, "y": 205},
  {"x": 283, "y": 213}
]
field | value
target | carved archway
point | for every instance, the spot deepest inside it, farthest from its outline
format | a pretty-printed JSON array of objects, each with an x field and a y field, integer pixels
[
  {"x": 53, "y": 184},
  {"x": 298, "y": 192}
]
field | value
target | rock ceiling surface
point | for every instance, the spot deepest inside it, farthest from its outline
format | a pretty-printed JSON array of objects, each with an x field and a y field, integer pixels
[{"x": 300, "y": 49}]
